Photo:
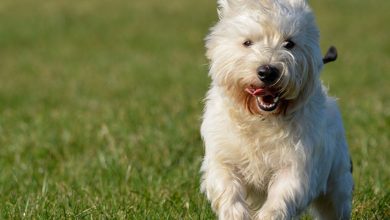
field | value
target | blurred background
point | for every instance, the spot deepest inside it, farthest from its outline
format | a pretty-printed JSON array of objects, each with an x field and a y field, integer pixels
[{"x": 101, "y": 100}]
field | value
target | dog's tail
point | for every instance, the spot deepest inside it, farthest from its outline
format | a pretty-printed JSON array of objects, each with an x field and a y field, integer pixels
[{"x": 330, "y": 56}]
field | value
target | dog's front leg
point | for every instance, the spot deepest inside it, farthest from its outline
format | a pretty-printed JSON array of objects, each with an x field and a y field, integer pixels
[
  {"x": 288, "y": 195},
  {"x": 224, "y": 191}
]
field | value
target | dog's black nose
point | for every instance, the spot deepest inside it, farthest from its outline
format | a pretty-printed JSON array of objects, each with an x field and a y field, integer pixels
[{"x": 268, "y": 74}]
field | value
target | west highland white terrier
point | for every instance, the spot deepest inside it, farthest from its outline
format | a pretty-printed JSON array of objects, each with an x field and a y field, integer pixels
[{"x": 274, "y": 140}]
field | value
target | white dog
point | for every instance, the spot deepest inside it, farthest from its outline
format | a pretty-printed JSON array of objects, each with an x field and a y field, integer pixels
[{"x": 274, "y": 140}]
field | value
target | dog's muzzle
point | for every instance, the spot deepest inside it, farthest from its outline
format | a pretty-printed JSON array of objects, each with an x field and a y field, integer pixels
[
  {"x": 268, "y": 74},
  {"x": 266, "y": 98}
]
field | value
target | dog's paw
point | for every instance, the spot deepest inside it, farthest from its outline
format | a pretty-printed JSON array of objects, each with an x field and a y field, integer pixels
[
  {"x": 236, "y": 211},
  {"x": 271, "y": 215}
]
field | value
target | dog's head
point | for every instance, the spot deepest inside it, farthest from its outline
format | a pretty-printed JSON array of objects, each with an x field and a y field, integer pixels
[{"x": 265, "y": 54}]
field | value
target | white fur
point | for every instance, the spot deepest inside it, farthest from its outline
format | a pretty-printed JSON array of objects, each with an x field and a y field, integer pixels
[{"x": 274, "y": 165}]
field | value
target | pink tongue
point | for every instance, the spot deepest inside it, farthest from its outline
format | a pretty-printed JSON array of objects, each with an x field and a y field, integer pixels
[{"x": 256, "y": 92}]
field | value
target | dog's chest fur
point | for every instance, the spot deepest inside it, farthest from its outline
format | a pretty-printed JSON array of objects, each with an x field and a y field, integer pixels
[
  {"x": 255, "y": 169},
  {"x": 264, "y": 149}
]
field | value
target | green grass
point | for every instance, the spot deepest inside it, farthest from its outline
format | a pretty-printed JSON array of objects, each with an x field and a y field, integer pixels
[{"x": 100, "y": 105}]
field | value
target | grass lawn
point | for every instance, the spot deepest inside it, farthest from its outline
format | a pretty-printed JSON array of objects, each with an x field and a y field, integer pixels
[{"x": 100, "y": 105}]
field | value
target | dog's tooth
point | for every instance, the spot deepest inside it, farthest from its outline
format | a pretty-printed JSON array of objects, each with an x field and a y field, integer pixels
[
  {"x": 258, "y": 98},
  {"x": 276, "y": 99}
]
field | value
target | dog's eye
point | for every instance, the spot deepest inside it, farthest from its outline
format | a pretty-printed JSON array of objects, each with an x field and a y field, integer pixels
[
  {"x": 247, "y": 43},
  {"x": 288, "y": 44}
]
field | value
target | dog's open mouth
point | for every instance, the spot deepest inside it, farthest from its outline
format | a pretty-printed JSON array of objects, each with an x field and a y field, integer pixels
[{"x": 266, "y": 99}]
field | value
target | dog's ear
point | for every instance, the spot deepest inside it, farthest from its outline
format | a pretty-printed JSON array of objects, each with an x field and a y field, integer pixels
[
  {"x": 225, "y": 6},
  {"x": 330, "y": 56}
]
